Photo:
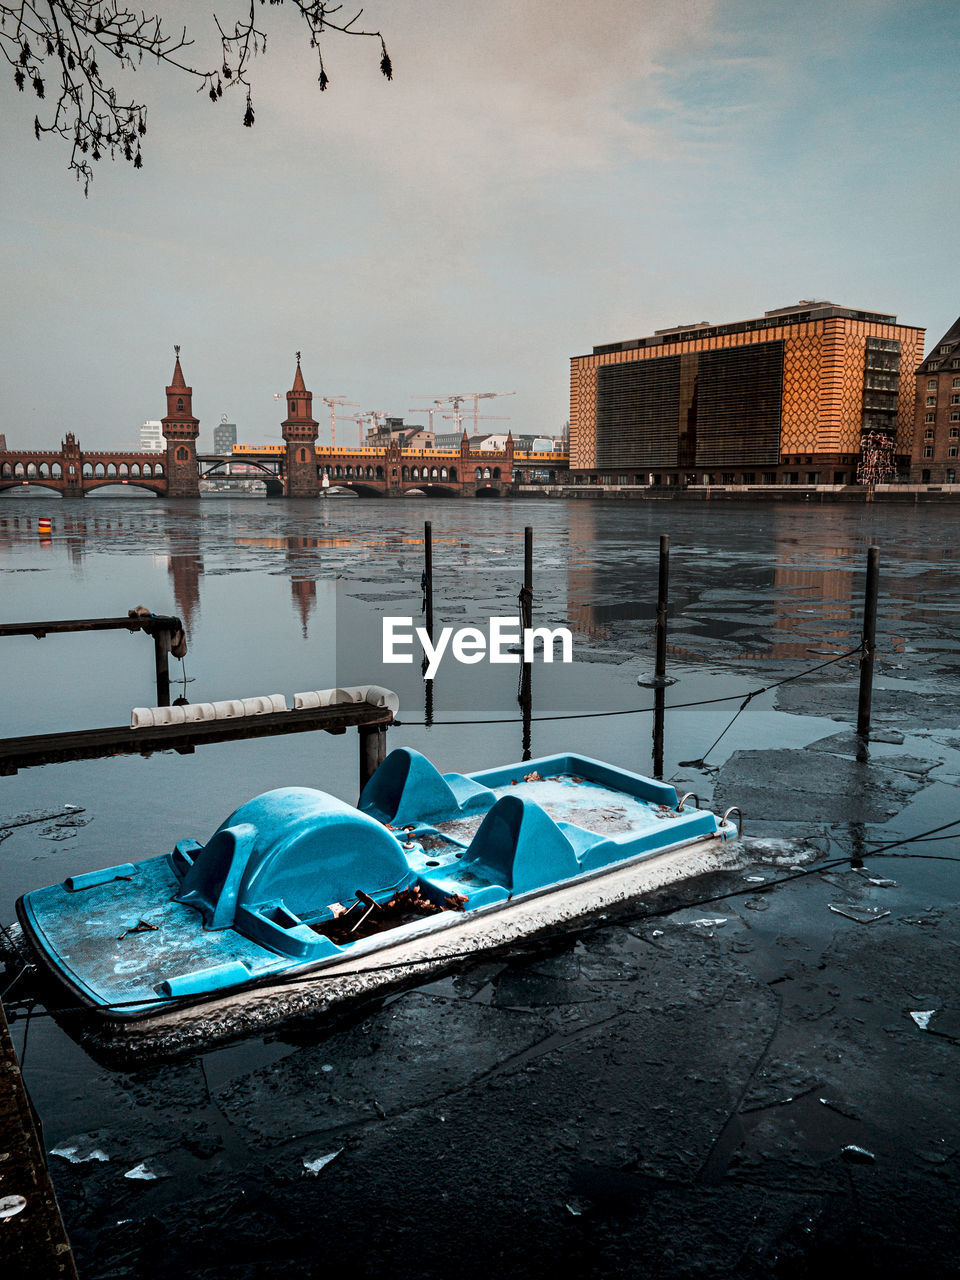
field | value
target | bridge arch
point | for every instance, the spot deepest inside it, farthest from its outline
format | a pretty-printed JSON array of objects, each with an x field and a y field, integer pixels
[
  {"x": 103, "y": 481},
  {"x": 17, "y": 482},
  {"x": 361, "y": 489}
]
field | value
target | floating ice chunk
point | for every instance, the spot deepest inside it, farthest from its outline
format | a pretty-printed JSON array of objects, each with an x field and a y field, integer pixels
[
  {"x": 858, "y": 911},
  {"x": 148, "y": 1171},
  {"x": 858, "y": 1155},
  {"x": 922, "y": 1017},
  {"x": 881, "y": 882},
  {"x": 314, "y": 1166},
  {"x": 79, "y": 1151}
]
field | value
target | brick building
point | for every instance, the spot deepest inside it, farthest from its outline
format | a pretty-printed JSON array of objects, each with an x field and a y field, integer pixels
[
  {"x": 786, "y": 398},
  {"x": 937, "y": 433}
]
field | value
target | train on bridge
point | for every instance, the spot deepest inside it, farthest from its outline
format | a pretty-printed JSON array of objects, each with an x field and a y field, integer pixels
[{"x": 299, "y": 468}]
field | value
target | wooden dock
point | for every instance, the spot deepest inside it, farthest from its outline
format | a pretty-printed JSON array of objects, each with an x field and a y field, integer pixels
[
  {"x": 119, "y": 740},
  {"x": 33, "y": 1242}
]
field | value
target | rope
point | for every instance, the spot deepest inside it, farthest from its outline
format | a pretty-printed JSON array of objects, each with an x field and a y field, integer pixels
[
  {"x": 639, "y": 711},
  {"x": 753, "y": 889}
]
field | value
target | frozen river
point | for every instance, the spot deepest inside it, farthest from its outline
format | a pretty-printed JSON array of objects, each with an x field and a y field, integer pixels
[{"x": 279, "y": 597}]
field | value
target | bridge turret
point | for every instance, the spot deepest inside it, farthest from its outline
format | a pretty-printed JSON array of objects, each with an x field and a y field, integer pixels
[
  {"x": 71, "y": 466},
  {"x": 180, "y": 430},
  {"x": 300, "y": 434}
]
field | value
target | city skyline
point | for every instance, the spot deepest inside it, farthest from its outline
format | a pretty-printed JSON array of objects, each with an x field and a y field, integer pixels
[{"x": 535, "y": 180}]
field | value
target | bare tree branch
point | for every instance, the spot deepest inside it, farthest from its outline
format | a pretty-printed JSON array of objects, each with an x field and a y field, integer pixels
[{"x": 57, "y": 47}]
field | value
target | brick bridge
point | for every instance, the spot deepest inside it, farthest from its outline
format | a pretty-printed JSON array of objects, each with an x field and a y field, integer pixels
[
  {"x": 74, "y": 473},
  {"x": 296, "y": 469}
]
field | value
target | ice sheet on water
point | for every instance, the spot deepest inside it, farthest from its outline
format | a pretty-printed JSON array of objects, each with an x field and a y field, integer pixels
[
  {"x": 858, "y": 911},
  {"x": 314, "y": 1164},
  {"x": 148, "y": 1171},
  {"x": 780, "y": 852},
  {"x": 80, "y": 1149}
]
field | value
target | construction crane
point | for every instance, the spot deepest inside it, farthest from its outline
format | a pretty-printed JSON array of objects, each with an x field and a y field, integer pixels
[
  {"x": 354, "y": 417},
  {"x": 429, "y": 412},
  {"x": 332, "y": 401},
  {"x": 477, "y": 396},
  {"x": 457, "y": 400}
]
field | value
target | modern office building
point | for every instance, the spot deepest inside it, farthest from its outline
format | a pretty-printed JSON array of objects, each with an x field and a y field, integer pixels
[
  {"x": 791, "y": 397},
  {"x": 151, "y": 438},
  {"x": 937, "y": 435},
  {"x": 224, "y": 436}
]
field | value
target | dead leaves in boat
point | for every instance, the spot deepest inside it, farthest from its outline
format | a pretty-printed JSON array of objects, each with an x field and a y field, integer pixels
[{"x": 404, "y": 906}]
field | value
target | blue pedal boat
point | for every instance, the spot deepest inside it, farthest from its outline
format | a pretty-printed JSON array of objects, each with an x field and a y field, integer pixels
[{"x": 300, "y": 900}]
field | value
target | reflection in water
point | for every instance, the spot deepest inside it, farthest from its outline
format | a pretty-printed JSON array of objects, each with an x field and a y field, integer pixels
[
  {"x": 748, "y": 584},
  {"x": 185, "y": 568}
]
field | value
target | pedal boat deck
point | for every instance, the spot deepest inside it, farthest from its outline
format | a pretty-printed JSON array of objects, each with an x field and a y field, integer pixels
[{"x": 486, "y": 857}]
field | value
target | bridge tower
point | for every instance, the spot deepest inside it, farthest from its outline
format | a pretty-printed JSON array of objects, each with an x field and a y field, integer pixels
[
  {"x": 72, "y": 465},
  {"x": 300, "y": 433},
  {"x": 180, "y": 430}
]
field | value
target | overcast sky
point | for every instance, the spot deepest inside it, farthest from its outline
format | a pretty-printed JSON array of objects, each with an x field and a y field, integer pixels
[{"x": 539, "y": 177}]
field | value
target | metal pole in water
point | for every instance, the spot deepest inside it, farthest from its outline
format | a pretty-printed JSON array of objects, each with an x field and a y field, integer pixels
[
  {"x": 869, "y": 641},
  {"x": 662, "y": 601},
  {"x": 526, "y": 615},
  {"x": 428, "y": 575},
  {"x": 659, "y": 703}
]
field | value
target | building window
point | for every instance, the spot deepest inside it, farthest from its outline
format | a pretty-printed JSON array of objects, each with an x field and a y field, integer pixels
[
  {"x": 931, "y": 384},
  {"x": 924, "y": 476},
  {"x": 956, "y": 382},
  {"x": 839, "y": 477},
  {"x": 928, "y": 434},
  {"x": 928, "y": 450},
  {"x": 727, "y": 477},
  {"x": 952, "y": 451},
  {"x": 931, "y": 400},
  {"x": 623, "y": 479},
  {"x": 955, "y": 416},
  {"x": 769, "y": 477},
  {"x": 951, "y": 476},
  {"x": 929, "y": 417},
  {"x": 813, "y": 477},
  {"x": 749, "y": 477},
  {"x": 955, "y": 399}
]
